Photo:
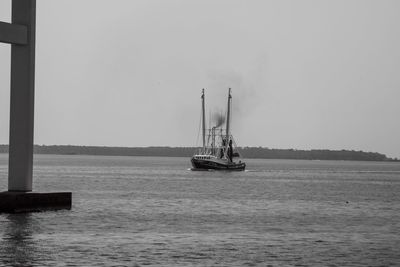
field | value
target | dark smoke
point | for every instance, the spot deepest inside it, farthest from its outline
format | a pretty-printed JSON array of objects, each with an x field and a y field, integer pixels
[{"x": 219, "y": 119}]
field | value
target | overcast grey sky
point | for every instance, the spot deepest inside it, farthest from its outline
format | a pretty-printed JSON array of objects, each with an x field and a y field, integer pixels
[{"x": 304, "y": 74}]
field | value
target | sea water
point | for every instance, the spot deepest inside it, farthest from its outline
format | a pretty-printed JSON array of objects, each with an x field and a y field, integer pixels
[{"x": 154, "y": 211}]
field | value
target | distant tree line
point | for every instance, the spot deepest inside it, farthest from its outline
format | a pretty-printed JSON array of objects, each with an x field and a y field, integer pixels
[
  {"x": 247, "y": 152},
  {"x": 323, "y": 154}
]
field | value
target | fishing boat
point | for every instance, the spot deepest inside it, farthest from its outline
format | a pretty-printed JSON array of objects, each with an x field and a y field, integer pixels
[{"x": 219, "y": 150}]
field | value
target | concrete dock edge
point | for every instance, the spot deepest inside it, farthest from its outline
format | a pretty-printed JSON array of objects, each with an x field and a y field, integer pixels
[{"x": 18, "y": 202}]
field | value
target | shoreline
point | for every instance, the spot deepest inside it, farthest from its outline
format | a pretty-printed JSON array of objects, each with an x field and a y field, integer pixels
[{"x": 247, "y": 152}]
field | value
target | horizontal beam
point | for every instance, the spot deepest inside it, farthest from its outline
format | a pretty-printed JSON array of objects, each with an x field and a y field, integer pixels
[{"x": 13, "y": 33}]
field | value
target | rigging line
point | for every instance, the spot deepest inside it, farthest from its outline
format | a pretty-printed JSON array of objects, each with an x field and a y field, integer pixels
[
  {"x": 208, "y": 141},
  {"x": 237, "y": 148},
  {"x": 231, "y": 115},
  {"x": 198, "y": 132}
]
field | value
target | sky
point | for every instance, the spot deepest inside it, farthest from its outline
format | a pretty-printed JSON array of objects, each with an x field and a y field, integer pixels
[{"x": 310, "y": 74}]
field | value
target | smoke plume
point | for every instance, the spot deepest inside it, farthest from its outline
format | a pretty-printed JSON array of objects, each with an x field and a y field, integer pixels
[{"x": 219, "y": 119}]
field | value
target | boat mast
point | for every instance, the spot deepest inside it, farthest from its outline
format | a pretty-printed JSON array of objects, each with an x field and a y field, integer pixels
[
  {"x": 204, "y": 121},
  {"x": 228, "y": 118}
]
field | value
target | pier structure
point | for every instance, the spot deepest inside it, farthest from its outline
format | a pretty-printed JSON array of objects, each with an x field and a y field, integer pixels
[{"x": 20, "y": 34}]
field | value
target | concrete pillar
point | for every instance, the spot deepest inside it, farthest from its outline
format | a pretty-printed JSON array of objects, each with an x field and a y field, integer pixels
[{"x": 22, "y": 99}]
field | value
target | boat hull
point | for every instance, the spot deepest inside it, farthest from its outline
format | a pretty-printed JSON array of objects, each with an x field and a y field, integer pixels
[{"x": 204, "y": 164}]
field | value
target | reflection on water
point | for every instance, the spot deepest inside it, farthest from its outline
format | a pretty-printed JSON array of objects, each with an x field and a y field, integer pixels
[{"x": 17, "y": 245}]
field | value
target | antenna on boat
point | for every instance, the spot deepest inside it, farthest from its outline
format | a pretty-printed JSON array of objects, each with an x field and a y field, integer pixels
[{"x": 203, "y": 120}]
